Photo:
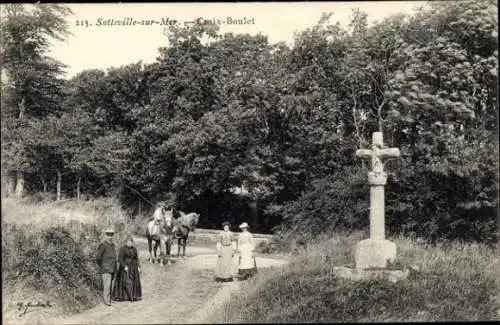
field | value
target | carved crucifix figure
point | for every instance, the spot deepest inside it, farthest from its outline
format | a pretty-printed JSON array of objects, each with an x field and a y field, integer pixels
[{"x": 377, "y": 179}]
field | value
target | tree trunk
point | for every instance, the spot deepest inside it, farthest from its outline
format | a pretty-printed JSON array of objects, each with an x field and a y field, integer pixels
[
  {"x": 11, "y": 183},
  {"x": 78, "y": 188},
  {"x": 59, "y": 179},
  {"x": 254, "y": 206},
  {"x": 44, "y": 183},
  {"x": 379, "y": 116},
  {"x": 22, "y": 108},
  {"x": 498, "y": 229},
  {"x": 20, "y": 184},
  {"x": 266, "y": 221}
]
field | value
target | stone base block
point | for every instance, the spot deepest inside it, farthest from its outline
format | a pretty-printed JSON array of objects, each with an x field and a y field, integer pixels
[
  {"x": 374, "y": 253},
  {"x": 359, "y": 274}
]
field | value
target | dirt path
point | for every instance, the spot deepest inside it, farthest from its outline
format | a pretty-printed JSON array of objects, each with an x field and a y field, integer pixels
[{"x": 183, "y": 292}]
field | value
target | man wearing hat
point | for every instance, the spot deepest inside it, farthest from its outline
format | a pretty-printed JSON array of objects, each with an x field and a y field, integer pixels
[{"x": 106, "y": 260}]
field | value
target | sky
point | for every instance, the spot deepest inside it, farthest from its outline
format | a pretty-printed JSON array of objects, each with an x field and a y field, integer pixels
[{"x": 94, "y": 44}]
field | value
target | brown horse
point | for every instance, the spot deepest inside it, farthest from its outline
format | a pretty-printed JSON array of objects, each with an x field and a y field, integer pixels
[{"x": 183, "y": 225}]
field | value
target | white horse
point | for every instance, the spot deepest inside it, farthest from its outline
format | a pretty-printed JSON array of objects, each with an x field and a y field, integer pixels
[{"x": 160, "y": 230}]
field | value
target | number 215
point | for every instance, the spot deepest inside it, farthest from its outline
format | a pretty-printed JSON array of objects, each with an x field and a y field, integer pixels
[{"x": 82, "y": 23}]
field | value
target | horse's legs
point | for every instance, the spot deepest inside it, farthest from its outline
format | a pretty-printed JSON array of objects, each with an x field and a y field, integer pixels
[
  {"x": 162, "y": 253},
  {"x": 157, "y": 244},
  {"x": 150, "y": 249},
  {"x": 184, "y": 241},
  {"x": 179, "y": 246},
  {"x": 168, "y": 247}
]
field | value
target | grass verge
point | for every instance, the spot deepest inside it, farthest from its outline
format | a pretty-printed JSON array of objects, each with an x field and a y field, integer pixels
[{"x": 454, "y": 282}]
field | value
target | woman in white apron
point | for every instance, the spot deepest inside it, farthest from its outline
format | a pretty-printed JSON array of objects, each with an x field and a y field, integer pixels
[{"x": 246, "y": 247}]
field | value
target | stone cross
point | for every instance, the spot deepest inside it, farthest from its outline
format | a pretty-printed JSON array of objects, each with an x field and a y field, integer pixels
[
  {"x": 377, "y": 179},
  {"x": 375, "y": 252}
]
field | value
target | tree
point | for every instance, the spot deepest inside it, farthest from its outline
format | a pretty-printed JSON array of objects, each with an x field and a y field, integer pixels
[
  {"x": 34, "y": 85},
  {"x": 33, "y": 88},
  {"x": 108, "y": 106},
  {"x": 429, "y": 81},
  {"x": 446, "y": 98}
]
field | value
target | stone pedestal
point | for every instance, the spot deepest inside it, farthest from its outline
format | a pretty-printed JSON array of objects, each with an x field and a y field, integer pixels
[
  {"x": 374, "y": 253},
  {"x": 359, "y": 275}
]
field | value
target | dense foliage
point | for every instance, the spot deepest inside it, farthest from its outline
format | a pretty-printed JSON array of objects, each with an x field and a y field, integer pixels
[{"x": 236, "y": 128}]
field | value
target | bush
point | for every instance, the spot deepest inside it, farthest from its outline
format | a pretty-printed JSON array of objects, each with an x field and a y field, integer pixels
[
  {"x": 52, "y": 261},
  {"x": 40, "y": 197},
  {"x": 427, "y": 205},
  {"x": 440, "y": 207},
  {"x": 138, "y": 224},
  {"x": 50, "y": 248},
  {"x": 272, "y": 246},
  {"x": 337, "y": 203}
]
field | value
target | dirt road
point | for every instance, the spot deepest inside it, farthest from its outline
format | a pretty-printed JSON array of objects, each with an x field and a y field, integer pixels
[{"x": 183, "y": 292}]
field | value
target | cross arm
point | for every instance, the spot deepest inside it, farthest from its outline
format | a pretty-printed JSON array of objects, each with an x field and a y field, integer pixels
[
  {"x": 364, "y": 153},
  {"x": 389, "y": 152}
]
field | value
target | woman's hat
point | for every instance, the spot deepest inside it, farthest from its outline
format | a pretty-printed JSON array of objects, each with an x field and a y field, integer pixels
[
  {"x": 109, "y": 230},
  {"x": 244, "y": 225},
  {"x": 226, "y": 223}
]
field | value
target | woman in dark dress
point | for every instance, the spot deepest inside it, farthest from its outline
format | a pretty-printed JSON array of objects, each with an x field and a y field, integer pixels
[{"x": 128, "y": 281}]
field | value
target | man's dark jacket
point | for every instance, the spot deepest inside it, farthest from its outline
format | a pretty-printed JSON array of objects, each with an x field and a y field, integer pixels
[{"x": 106, "y": 257}]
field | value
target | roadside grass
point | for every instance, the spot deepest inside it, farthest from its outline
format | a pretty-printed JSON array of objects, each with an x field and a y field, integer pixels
[
  {"x": 48, "y": 250},
  {"x": 29, "y": 211},
  {"x": 449, "y": 282}
]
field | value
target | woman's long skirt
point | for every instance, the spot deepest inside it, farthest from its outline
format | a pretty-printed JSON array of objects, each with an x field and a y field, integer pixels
[
  {"x": 224, "y": 268},
  {"x": 247, "y": 265},
  {"x": 127, "y": 285}
]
